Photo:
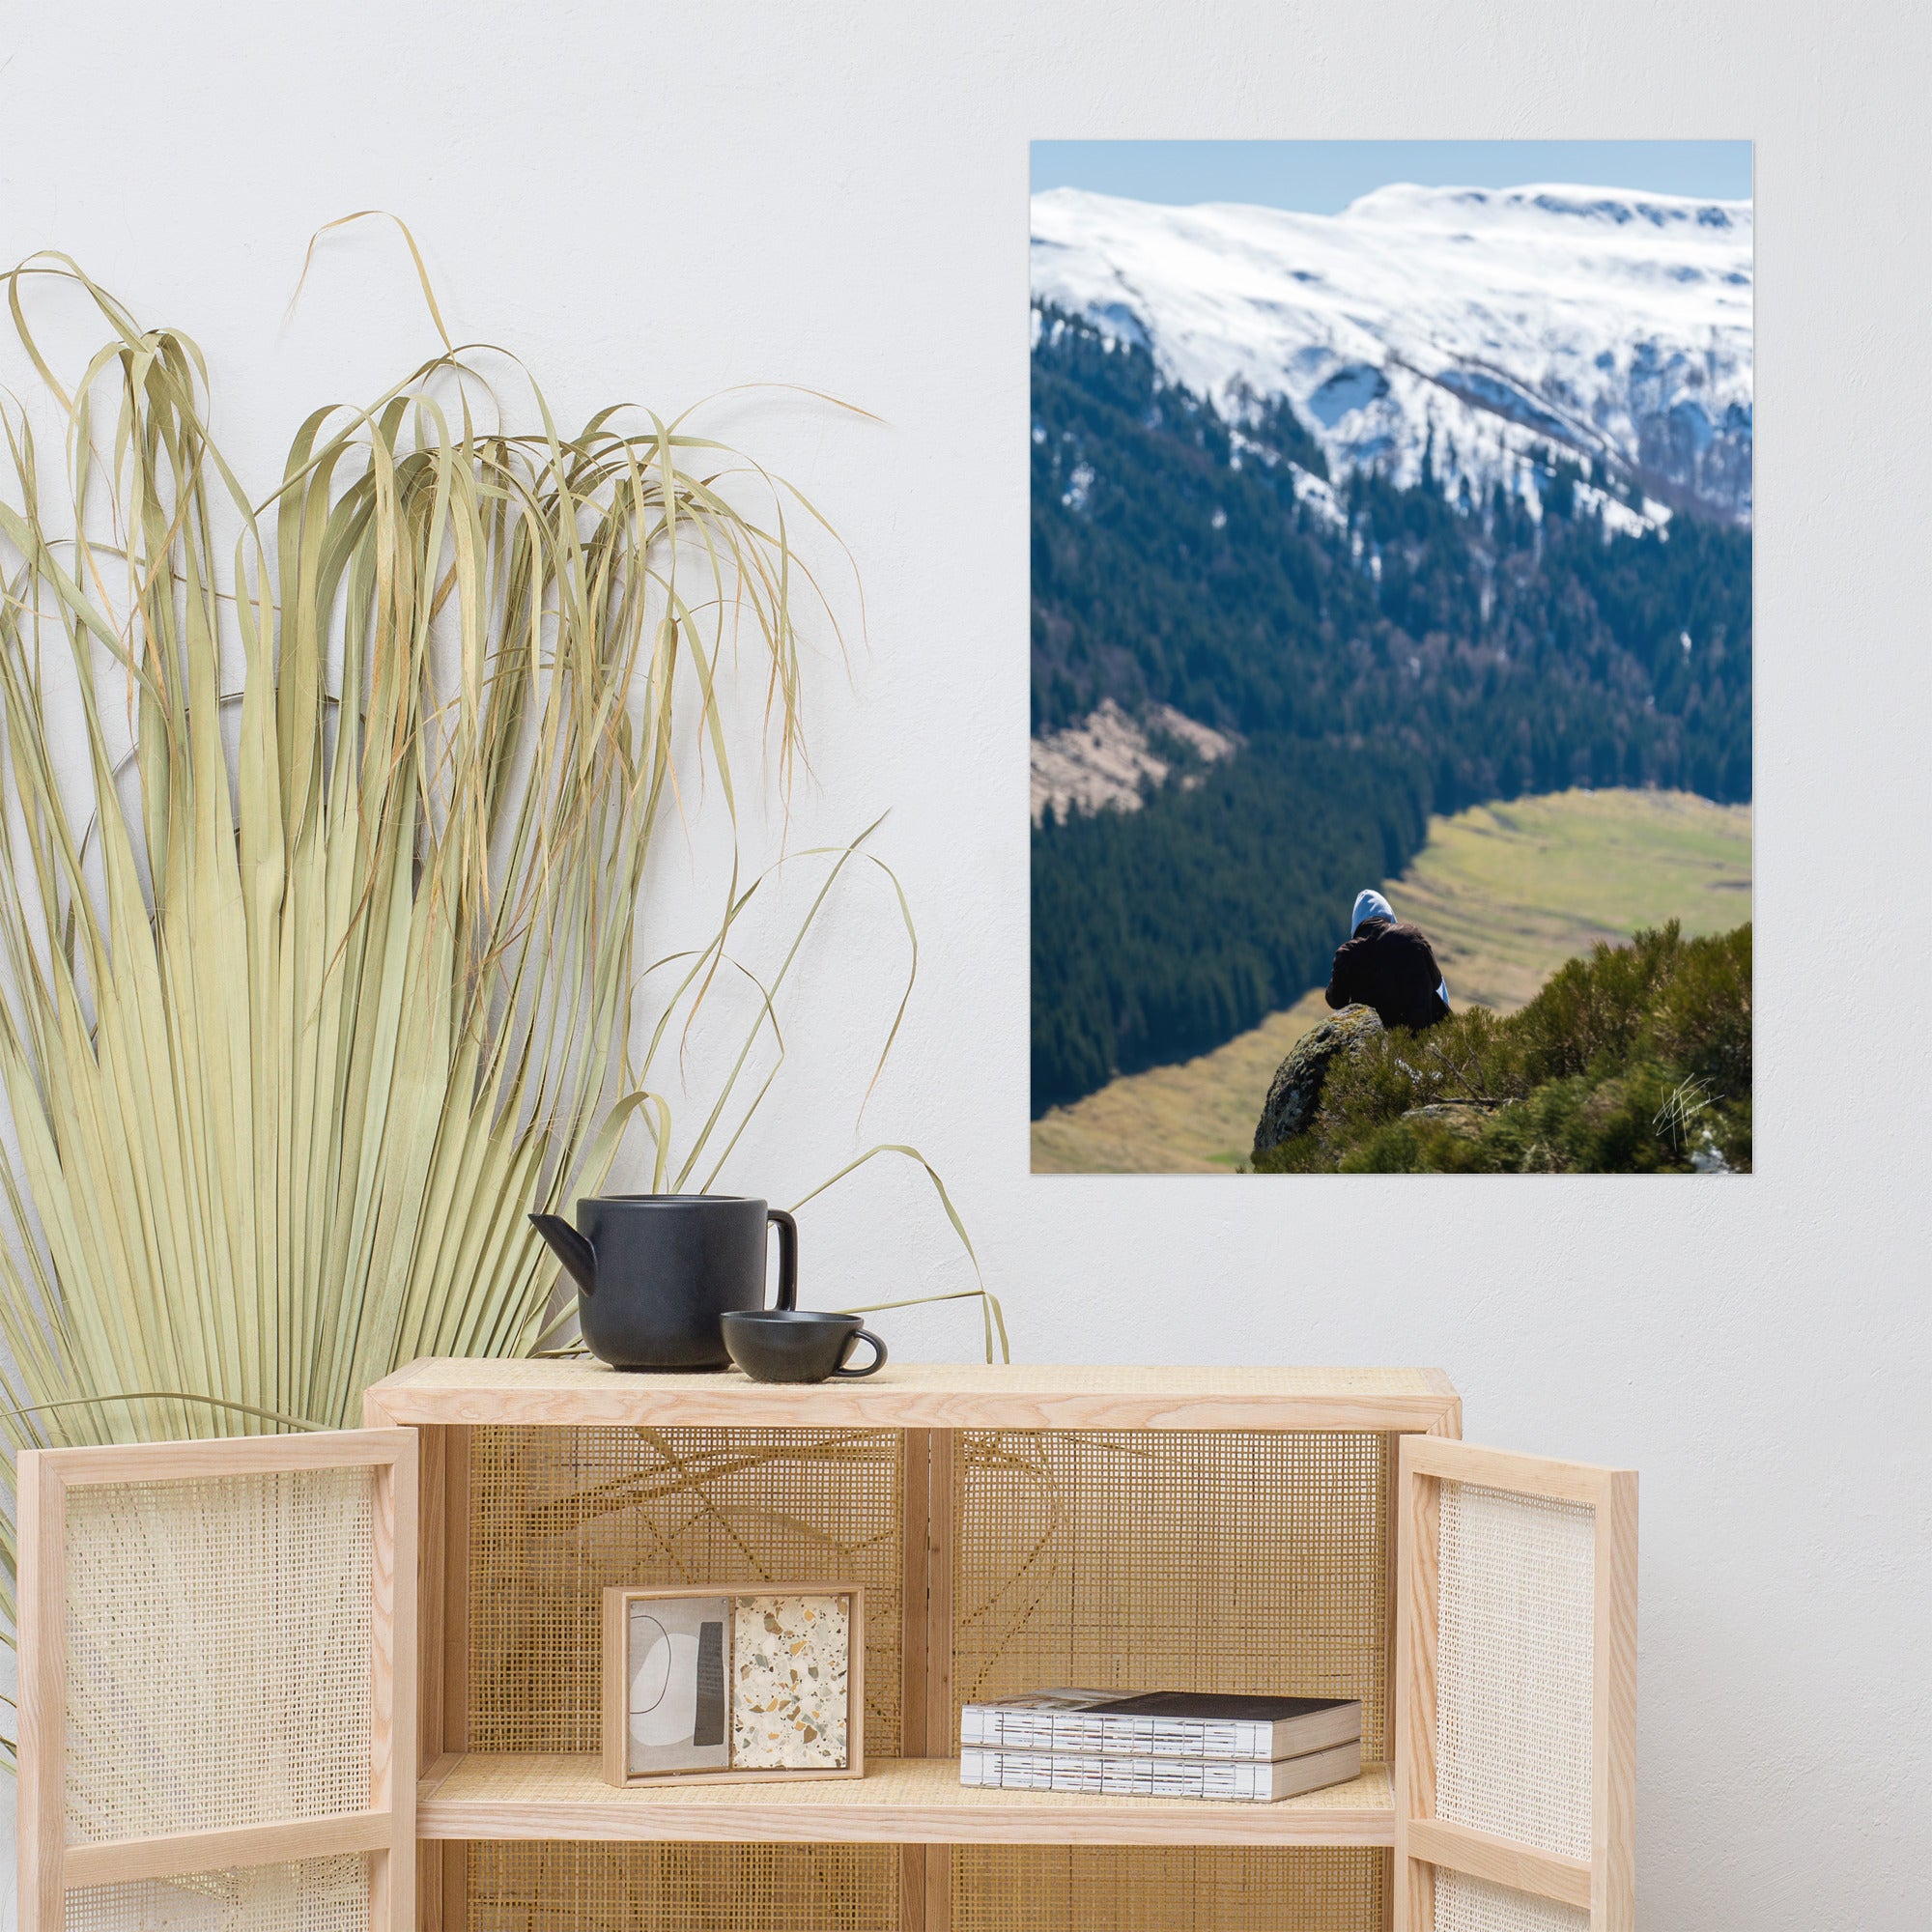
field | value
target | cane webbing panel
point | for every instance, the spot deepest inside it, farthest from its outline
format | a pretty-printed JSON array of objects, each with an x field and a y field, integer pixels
[
  {"x": 217, "y": 1651},
  {"x": 559, "y": 1514},
  {"x": 313, "y": 1895},
  {"x": 1514, "y": 1666},
  {"x": 538, "y": 1887},
  {"x": 1119, "y": 1888},
  {"x": 1465, "y": 1904},
  {"x": 1250, "y": 1561}
]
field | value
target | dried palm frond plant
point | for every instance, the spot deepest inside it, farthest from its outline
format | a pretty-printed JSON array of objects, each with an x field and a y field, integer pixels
[{"x": 318, "y": 958}]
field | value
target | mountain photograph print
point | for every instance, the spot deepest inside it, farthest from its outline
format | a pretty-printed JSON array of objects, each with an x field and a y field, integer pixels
[{"x": 1391, "y": 720}]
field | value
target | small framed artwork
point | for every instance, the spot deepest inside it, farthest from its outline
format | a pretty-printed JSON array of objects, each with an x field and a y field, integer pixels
[{"x": 752, "y": 1685}]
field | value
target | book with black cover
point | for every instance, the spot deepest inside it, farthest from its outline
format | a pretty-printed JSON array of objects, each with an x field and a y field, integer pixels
[{"x": 1162, "y": 1723}]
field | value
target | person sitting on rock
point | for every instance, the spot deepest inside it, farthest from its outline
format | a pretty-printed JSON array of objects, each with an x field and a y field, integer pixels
[{"x": 1389, "y": 966}]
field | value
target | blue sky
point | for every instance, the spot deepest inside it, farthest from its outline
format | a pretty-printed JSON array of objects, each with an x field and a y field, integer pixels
[{"x": 1322, "y": 177}]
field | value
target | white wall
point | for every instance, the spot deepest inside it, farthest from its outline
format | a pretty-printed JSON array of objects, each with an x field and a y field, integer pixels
[{"x": 657, "y": 202}]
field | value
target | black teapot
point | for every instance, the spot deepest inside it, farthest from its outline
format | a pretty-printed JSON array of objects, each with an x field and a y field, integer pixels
[{"x": 655, "y": 1272}]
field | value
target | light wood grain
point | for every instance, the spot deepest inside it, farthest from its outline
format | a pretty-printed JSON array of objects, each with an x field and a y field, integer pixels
[
  {"x": 912, "y": 1889},
  {"x": 395, "y": 1646},
  {"x": 456, "y": 1516},
  {"x": 1505, "y": 1469},
  {"x": 432, "y": 1582},
  {"x": 1412, "y": 1906},
  {"x": 1613, "y": 1762},
  {"x": 1417, "y": 1516},
  {"x": 915, "y": 1466},
  {"x": 442, "y": 1875},
  {"x": 1392, "y": 1581},
  {"x": 440, "y": 1657},
  {"x": 938, "y": 1888},
  {"x": 855, "y": 1680},
  {"x": 442, "y": 1648},
  {"x": 41, "y": 1639},
  {"x": 394, "y": 1709},
  {"x": 442, "y": 1587},
  {"x": 918, "y": 1396},
  {"x": 1500, "y": 1861},
  {"x": 900, "y": 1801},
  {"x": 179, "y": 1852},
  {"x": 942, "y": 1503},
  {"x": 230, "y": 1456},
  {"x": 1606, "y": 1884},
  {"x": 914, "y": 1801},
  {"x": 392, "y": 1624},
  {"x": 925, "y": 1721},
  {"x": 613, "y": 1704},
  {"x": 385, "y": 1831}
]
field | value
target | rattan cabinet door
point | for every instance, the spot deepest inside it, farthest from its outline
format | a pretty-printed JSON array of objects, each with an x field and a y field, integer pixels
[
  {"x": 218, "y": 1684},
  {"x": 1515, "y": 1692}
]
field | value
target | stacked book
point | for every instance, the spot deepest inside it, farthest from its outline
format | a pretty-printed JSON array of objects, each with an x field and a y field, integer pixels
[{"x": 1164, "y": 1743}]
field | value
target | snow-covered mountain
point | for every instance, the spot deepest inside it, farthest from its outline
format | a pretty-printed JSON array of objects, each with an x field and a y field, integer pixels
[{"x": 1480, "y": 333}]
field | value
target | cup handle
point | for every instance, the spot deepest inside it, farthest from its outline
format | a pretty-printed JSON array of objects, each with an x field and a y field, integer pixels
[
  {"x": 787, "y": 1256},
  {"x": 872, "y": 1367}
]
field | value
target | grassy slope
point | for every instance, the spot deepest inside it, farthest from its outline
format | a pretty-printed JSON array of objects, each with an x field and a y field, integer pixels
[{"x": 1506, "y": 893}]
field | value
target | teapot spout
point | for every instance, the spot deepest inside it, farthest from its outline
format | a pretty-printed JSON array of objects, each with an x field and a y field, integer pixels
[{"x": 570, "y": 1248}]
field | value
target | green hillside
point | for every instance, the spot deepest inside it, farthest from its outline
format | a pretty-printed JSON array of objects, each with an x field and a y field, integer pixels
[
  {"x": 1635, "y": 1058},
  {"x": 1507, "y": 893},
  {"x": 1383, "y": 654}
]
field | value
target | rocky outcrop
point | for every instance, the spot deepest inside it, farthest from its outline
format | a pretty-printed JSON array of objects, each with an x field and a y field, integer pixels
[
  {"x": 1296, "y": 1091},
  {"x": 1101, "y": 762}
]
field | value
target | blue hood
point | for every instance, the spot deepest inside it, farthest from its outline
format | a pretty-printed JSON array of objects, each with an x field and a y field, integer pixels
[{"x": 1370, "y": 904}]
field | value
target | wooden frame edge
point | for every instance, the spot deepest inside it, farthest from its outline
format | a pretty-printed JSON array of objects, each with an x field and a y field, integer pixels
[
  {"x": 394, "y": 1712},
  {"x": 1500, "y": 1861},
  {"x": 1453, "y": 1460},
  {"x": 614, "y": 1754},
  {"x": 442, "y": 1660},
  {"x": 173, "y": 1853},
  {"x": 926, "y": 1653},
  {"x": 944, "y": 1494},
  {"x": 1604, "y": 1885},
  {"x": 230, "y": 1456},
  {"x": 49, "y": 1867},
  {"x": 41, "y": 1650},
  {"x": 1412, "y": 1778},
  {"x": 862, "y": 1405},
  {"x": 1613, "y": 1747},
  {"x": 765, "y": 1812}
]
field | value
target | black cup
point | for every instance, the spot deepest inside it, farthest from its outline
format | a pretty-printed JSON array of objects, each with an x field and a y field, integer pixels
[{"x": 789, "y": 1345}]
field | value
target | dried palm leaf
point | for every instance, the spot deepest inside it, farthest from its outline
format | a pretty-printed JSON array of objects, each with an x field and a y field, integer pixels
[{"x": 320, "y": 973}]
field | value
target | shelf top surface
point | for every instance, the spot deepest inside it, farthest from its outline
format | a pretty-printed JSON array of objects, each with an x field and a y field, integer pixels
[
  {"x": 899, "y": 1801},
  {"x": 578, "y": 1390}
]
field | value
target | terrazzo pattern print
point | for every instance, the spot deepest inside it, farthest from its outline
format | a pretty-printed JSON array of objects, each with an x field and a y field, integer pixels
[{"x": 790, "y": 1659}]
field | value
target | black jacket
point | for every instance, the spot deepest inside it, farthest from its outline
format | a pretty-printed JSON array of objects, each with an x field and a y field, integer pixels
[{"x": 1390, "y": 968}]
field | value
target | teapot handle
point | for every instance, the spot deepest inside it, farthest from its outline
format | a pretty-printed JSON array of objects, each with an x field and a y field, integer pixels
[{"x": 787, "y": 1256}]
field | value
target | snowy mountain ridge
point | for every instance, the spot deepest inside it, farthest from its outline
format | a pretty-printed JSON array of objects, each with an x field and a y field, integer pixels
[{"x": 1477, "y": 334}]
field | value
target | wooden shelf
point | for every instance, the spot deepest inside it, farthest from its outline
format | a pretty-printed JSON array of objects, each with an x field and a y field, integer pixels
[
  {"x": 534, "y": 1394},
  {"x": 899, "y": 1802}
]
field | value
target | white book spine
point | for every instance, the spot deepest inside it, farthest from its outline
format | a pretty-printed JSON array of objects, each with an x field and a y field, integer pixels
[
  {"x": 994, "y": 1727},
  {"x": 1116, "y": 1776}
]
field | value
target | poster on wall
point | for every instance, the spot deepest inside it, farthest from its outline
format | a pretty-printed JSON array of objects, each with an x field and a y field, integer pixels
[{"x": 1391, "y": 617}]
